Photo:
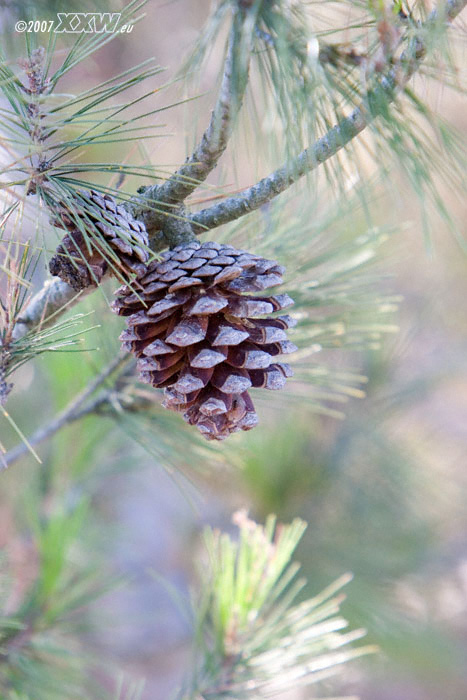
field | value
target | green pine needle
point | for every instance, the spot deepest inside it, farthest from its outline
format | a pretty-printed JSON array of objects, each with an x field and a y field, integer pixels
[{"x": 253, "y": 639}]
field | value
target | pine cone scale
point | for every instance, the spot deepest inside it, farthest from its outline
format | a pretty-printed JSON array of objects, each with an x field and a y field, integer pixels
[
  {"x": 193, "y": 379},
  {"x": 190, "y": 330},
  {"x": 158, "y": 347},
  {"x": 207, "y": 304},
  {"x": 205, "y": 357},
  {"x": 169, "y": 302},
  {"x": 230, "y": 380},
  {"x": 248, "y": 356}
]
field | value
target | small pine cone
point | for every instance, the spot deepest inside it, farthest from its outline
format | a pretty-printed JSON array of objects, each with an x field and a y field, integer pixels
[
  {"x": 80, "y": 261},
  {"x": 200, "y": 337}
]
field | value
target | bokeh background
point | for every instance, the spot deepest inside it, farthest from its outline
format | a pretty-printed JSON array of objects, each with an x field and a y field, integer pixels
[{"x": 383, "y": 489}]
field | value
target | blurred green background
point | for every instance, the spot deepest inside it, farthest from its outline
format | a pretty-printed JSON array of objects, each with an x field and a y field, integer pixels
[{"x": 383, "y": 490}]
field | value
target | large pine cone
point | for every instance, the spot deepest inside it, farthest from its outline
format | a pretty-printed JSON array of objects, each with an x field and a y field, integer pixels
[
  {"x": 200, "y": 338},
  {"x": 81, "y": 260}
]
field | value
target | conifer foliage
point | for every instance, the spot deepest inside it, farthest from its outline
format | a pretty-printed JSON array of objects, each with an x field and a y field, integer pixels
[{"x": 207, "y": 270}]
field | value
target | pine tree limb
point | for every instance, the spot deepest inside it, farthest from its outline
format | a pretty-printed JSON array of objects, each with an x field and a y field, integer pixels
[
  {"x": 214, "y": 140},
  {"x": 54, "y": 298},
  {"x": 55, "y": 293},
  {"x": 74, "y": 411},
  {"x": 336, "y": 138}
]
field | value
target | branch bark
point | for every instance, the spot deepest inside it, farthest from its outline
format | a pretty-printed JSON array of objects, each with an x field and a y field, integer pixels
[{"x": 54, "y": 298}]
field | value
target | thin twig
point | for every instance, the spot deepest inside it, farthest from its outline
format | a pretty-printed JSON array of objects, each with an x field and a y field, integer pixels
[
  {"x": 53, "y": 299},
  {"x": 214, "y": 140},
  {"x": 70, "y": 413},
  {"x": 328, "y": 145}
]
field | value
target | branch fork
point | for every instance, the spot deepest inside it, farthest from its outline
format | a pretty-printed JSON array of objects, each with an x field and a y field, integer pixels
[{"x": 178, "y": 225}]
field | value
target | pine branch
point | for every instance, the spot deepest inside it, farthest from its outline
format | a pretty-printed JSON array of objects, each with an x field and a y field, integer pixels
[
  {"x": 74, "y": 411},
  {"x": 55, "y": 292},
  {"x": 337, "y": 137},
  {"x": 54, "y": 298},
  {"x": 214, "y": 140}
]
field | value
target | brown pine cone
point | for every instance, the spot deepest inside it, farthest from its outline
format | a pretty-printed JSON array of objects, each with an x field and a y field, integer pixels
[
  {"x": 200, "y": 337},
  {"x": 81, "y": 260}
]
